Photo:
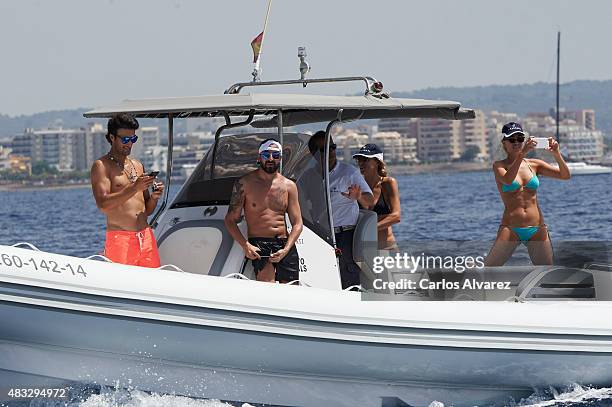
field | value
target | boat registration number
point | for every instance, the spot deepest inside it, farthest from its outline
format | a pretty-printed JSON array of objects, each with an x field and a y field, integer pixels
[{"x": 42, "y": 265}]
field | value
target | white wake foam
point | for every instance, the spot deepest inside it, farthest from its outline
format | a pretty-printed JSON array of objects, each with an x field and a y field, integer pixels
[
  {"x": 569, "y": 396},
  {"x": 134, "y": 398}
]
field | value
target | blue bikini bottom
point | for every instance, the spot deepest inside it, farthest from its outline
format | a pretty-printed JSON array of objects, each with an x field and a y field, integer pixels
[{"x": 525, "y": 233}]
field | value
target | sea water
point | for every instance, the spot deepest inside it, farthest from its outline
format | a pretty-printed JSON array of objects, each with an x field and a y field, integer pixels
[{"x": 438, "y": 207}]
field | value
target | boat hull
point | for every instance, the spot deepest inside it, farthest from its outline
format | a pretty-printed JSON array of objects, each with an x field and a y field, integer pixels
[
  {"x": 96, "y": 323},
  {"x": 59, "y": 345}
]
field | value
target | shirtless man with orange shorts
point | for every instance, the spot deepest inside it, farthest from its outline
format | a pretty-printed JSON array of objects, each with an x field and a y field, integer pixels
[
  {"x": 265, "y": 196},
  {"x": 120, "y": 189}
]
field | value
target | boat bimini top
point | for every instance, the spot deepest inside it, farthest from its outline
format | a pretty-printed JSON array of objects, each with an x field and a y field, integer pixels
[{"x": 297, "y": 108}]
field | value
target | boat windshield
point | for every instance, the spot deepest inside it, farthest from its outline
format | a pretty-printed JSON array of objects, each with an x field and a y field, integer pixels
[{"x": 237, "y": 154}]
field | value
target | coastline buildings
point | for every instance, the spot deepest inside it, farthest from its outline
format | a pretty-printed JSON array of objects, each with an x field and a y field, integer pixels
[
  {"x": 14, "y": 163},
  {"x": 437, "y": 140},
  {"x": 404, "y": 141},
  {"x": 348, "y": 142},
  {"x": 583, "y": 118},
  {"x": 147, "y": 137},
  {"x": 61, "y": 148},
  {"x": 75, "y": 149},
  {"x": 579, "y": 139}
]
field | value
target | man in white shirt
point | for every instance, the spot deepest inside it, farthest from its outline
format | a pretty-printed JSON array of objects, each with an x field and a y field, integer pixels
[{"x": 347, "y": 187}]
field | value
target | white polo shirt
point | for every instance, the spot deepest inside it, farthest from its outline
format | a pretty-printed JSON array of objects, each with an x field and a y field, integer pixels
[{"x": 345, "y": 211}]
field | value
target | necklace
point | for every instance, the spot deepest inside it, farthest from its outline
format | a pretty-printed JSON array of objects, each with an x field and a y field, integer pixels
[{"x": 132, "y": 175}]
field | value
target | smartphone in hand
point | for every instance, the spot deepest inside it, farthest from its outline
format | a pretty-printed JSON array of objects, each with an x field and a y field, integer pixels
[
  {"x": 542, "y": 142},
  {"x": 153, "y": 174}
]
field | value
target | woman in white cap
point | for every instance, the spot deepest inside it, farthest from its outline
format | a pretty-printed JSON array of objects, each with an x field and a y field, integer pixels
[
  {"x": 517, "y": 181},
  {"x": 385, "y": 191}
]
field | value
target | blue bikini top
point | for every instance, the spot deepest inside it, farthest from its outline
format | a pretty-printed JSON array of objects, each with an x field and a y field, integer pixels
[{"x": 533, "y": 183}]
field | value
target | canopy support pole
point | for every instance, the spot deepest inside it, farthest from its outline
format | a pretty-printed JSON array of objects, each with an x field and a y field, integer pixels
[
  {"x": 280, "y": 134},
  {"x": 168, "y": 172},
  {"x": 326, "y": 173}
]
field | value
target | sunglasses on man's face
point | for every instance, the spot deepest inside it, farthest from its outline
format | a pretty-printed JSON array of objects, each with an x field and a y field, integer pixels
[
  {"x": 515, "y": 139},
  {"x": 265, "y": 155},
  {"x": 127, "y": 139}
]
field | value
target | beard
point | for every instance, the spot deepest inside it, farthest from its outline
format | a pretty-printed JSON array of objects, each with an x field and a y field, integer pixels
[{"x": 270, "y": 168}]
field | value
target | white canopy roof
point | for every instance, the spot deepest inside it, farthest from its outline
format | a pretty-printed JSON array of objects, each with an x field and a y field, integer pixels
[{"x": 297, "y": 108}]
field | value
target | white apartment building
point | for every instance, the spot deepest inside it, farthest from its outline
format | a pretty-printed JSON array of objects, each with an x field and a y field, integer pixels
[
  {"x": 583, "y": 117},
  {"x": 96, "y": 144},
  {"x": 405, "y": 127},
  {"x": 474, "y": 135},
  {"x": 147, "y": 137},
  {"x": 154, "y": 158},
  {"x": 576, "y": 142},
  {"x": 61, "y": 148},
  {"x": 410, "y": 150},
  {"x": 348, "y": 142},
  {"x": 438, "y": 140},
  {"x": 76, "y": 149},
  {"x": 391, "y": 143},
  {"x": 5, "y": 161},
  {"x": 185, "y": 159}
]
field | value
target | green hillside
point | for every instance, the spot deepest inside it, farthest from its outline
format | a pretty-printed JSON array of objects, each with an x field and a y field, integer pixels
[
  {"x": 521, "y": 99},
  {"x": 536, "y": 97}
]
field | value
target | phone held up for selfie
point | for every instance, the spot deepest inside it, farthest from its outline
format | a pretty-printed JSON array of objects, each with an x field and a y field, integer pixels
[{"x": 542, "y": 142}]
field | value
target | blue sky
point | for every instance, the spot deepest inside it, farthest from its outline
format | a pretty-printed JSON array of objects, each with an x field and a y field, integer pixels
[{"x": 70, "y": 53}]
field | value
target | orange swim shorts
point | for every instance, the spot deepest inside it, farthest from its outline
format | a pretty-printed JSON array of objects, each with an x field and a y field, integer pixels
[{"x": 133, "y": 248}]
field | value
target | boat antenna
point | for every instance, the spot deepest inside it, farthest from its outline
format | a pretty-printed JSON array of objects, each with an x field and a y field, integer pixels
[
  {"x": 257, "y": 45},
  {"x": 558, "y": 64}
]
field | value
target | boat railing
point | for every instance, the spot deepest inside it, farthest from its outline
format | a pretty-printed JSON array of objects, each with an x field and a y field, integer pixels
[
  {"x": 238, "y": 276},
  {"x": 372, "y": 86},
  {"x": 598, "y": 266},
  {"x": 298, "y": 282},
  {"x": 99, "y": 257},
  {"x": 26, "y": 244},
  {"x": 171, "y": 267}
]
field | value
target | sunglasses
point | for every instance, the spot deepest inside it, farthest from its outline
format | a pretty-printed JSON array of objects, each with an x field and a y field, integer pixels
[
  {"x": 273, "y": 154},
  {"x": 515, "y": 139},
  {"x": 127, "y": 139}
]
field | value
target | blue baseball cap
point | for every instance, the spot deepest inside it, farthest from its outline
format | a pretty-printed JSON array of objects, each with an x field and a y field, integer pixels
[
  {"x": 370, "y": 150},
  {"x": 512, "y": 128}
]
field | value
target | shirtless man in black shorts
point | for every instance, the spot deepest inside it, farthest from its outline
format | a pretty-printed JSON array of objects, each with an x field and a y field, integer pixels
[{"x": 266, "y": 195}]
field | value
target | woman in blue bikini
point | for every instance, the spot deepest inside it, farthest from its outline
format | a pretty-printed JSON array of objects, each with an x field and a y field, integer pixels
[{"x": 517, "y": 181}]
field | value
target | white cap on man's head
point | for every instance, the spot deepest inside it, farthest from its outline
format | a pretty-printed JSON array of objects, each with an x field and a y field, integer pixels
[{"x": 270, "y": 145}]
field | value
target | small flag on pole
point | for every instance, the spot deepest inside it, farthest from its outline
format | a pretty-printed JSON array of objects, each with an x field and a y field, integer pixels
[{"x": 256, "y": 45}]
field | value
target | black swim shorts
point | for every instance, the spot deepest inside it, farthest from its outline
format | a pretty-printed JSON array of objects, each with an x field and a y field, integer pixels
[{"x": 288, "y": 269}]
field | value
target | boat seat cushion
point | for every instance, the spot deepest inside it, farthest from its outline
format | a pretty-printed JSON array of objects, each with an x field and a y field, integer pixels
[{"x": 196, "y": 246}]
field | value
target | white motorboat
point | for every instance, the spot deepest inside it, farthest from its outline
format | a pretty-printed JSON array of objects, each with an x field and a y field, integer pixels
[
  {"x": 199, "y": 327},
  {"x": 582, "y": 168}
]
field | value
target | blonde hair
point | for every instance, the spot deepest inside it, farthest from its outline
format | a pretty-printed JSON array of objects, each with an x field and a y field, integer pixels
[{"x": 382, "y": 168}]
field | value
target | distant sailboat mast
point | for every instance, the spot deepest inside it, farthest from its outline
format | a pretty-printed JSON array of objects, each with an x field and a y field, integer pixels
[{"x": 558, "y": 65}]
